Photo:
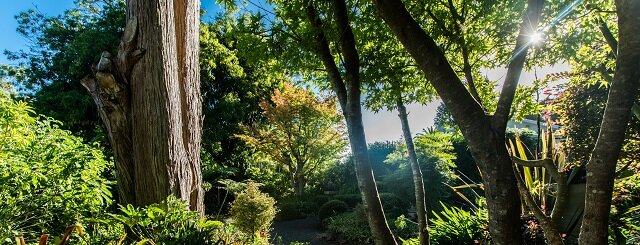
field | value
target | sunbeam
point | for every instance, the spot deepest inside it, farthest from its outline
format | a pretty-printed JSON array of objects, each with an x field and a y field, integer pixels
[{"x": 539, "y": 36}]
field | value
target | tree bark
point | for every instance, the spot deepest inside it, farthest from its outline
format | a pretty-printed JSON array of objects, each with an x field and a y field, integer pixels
[
  {"x": 349, "y": 97},
  {"x": 421, "y": 207},
  {"x": 486, "y": 139},
  {"x": 157, "y": 144},
  {"x": 622, "y": 94}
]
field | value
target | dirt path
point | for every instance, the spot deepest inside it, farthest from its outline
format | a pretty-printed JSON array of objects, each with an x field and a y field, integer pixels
[{"x": 300, "y": 230}]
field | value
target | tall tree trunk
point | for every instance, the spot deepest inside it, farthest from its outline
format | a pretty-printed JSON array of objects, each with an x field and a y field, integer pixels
[
  {"x": 484, "y": 134},
  {"x": 299, "y": 182},
  {"x": 349, "y": 97},
  {"x": 155, "y": 128},
  {"x": 421, "y": 207},
  {"x": 622, "y": 93}
]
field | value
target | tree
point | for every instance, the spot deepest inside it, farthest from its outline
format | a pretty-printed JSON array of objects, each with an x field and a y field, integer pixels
[
  {"x": 233, "y": 82},
  {"x": 301, "y": 133},
  {"x": 485, "y": 134},
  {"x": 622, "y": 95},
  {"x": 148, "y": 97},
  {"x": 61, "y": 52}
]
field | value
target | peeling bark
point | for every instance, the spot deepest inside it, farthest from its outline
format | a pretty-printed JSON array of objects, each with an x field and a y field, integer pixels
[{"x": 150, "y": 104}]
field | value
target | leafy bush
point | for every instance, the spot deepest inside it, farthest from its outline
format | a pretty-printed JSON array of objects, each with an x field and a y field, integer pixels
[
  {"x": 332, "y": 208},
  {"x": 351, "y": 226},
  {"x": 253, "y": 211},
  {"x": 320, "y": 200},
  {"x": 393, "y": 205},
  {"x": 404, "y": 228},
  {"x": 350, "y": 199},
  {"x": 457, "y": 226},
  {"x": 49, "y": 179},
  {"x": 289, "y": 209},
  {"x": 167, "y": 222}
]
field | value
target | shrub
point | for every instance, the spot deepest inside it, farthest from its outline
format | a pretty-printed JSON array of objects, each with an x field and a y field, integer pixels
[
  {"x": 456, "y": 226},
  {"x": 404, "y": 228},
  {"x": 289, "y": 209},
  {"x": 393, "y": 205},
  {"x": 49, "y": 179},
  {"x": 332, "y": 208},
  {"x": 167, "y": 222},
  {"x": 308, "y": 207},
  {"x": 350, "y": 199},
  {"x": 253, "y": 211},
  {"x": 351, "y": 226},
  {"x": 320, "y": 200}
]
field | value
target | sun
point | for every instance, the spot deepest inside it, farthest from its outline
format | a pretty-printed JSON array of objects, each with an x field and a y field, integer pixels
[{"x": 536, "y": 37}]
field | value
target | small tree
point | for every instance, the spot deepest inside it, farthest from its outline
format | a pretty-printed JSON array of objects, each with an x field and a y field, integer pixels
[
  {"x": 302, "y": 133},
  {"x": 253, "y": 211}
]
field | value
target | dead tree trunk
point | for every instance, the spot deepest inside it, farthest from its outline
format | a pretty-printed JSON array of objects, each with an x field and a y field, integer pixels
[{"x": 151, "y": 105}]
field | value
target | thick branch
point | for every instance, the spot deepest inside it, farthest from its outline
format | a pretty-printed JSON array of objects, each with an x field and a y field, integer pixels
[
  {"x": 608, "y": 36},
  {"x": 516, "y": 64},
  {"x": 349, "y": 52},
  {"x": 431, "y": 60},
  {"x": 322, "y": 48}
]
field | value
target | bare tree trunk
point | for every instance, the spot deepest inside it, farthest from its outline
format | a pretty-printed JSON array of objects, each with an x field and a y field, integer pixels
[
  {"x": 622, "y": 94},
  {"x": 157, "y": 144},
  {"x": 421, "y": 207},
  {"x": 348, "y": 94},
  {"x": 299, "y": 182}
]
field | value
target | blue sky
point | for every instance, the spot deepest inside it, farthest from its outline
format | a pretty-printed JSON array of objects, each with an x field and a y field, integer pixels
[{"x": 379, "y": 127}]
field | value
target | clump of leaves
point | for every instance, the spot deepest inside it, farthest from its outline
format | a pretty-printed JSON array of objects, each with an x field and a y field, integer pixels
[
  {"x": 253, "y": 211},
  {"x": 351, "y": 226},
  {"x": 49, "y": 179},
  {"x": 454, "y": 225},
  {"x": 332, "y": 208}
]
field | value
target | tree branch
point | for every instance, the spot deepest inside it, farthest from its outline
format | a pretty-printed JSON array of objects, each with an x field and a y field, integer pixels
[
  {"x": 322, "y": 48},
  {"x": 516, "y": 64},
  {"x": 550, "y": 231}
]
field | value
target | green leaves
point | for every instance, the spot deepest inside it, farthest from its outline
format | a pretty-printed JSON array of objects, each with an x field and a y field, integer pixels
[{"x": 50, "y": 179}]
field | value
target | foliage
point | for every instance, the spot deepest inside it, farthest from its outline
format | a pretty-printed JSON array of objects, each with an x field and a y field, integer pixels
[
  {"x": 302, "y": 134},
  {"x": 289, "y": 210},
  {"x": 625, "y": 211},
  {"x": 253, "y": 211},
  {"x": 232, "y": 84},
  {"x": 295, "y": 207},
  {"x": 454, "y": 225},
  {"x": 404, "y": 228},
  {"x": 167, "y": 222},
  {"x": 351, "y": 226},
  {"x": 332, "y": 208},
  {"x": 49, "y": 179},
  {"x": 580, "y": 108},
  {"x": 61, "y": 52},
  {"x": 436, "y": 158}
]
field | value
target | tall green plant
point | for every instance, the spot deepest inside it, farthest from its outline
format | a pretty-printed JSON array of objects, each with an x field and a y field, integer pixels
[
  {"x": 551, "y": 161},
  {"x": 49, "y": 179}
]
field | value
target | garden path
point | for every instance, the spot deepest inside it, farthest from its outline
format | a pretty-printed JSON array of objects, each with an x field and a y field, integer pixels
[{"x": 300, "y": 230}]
